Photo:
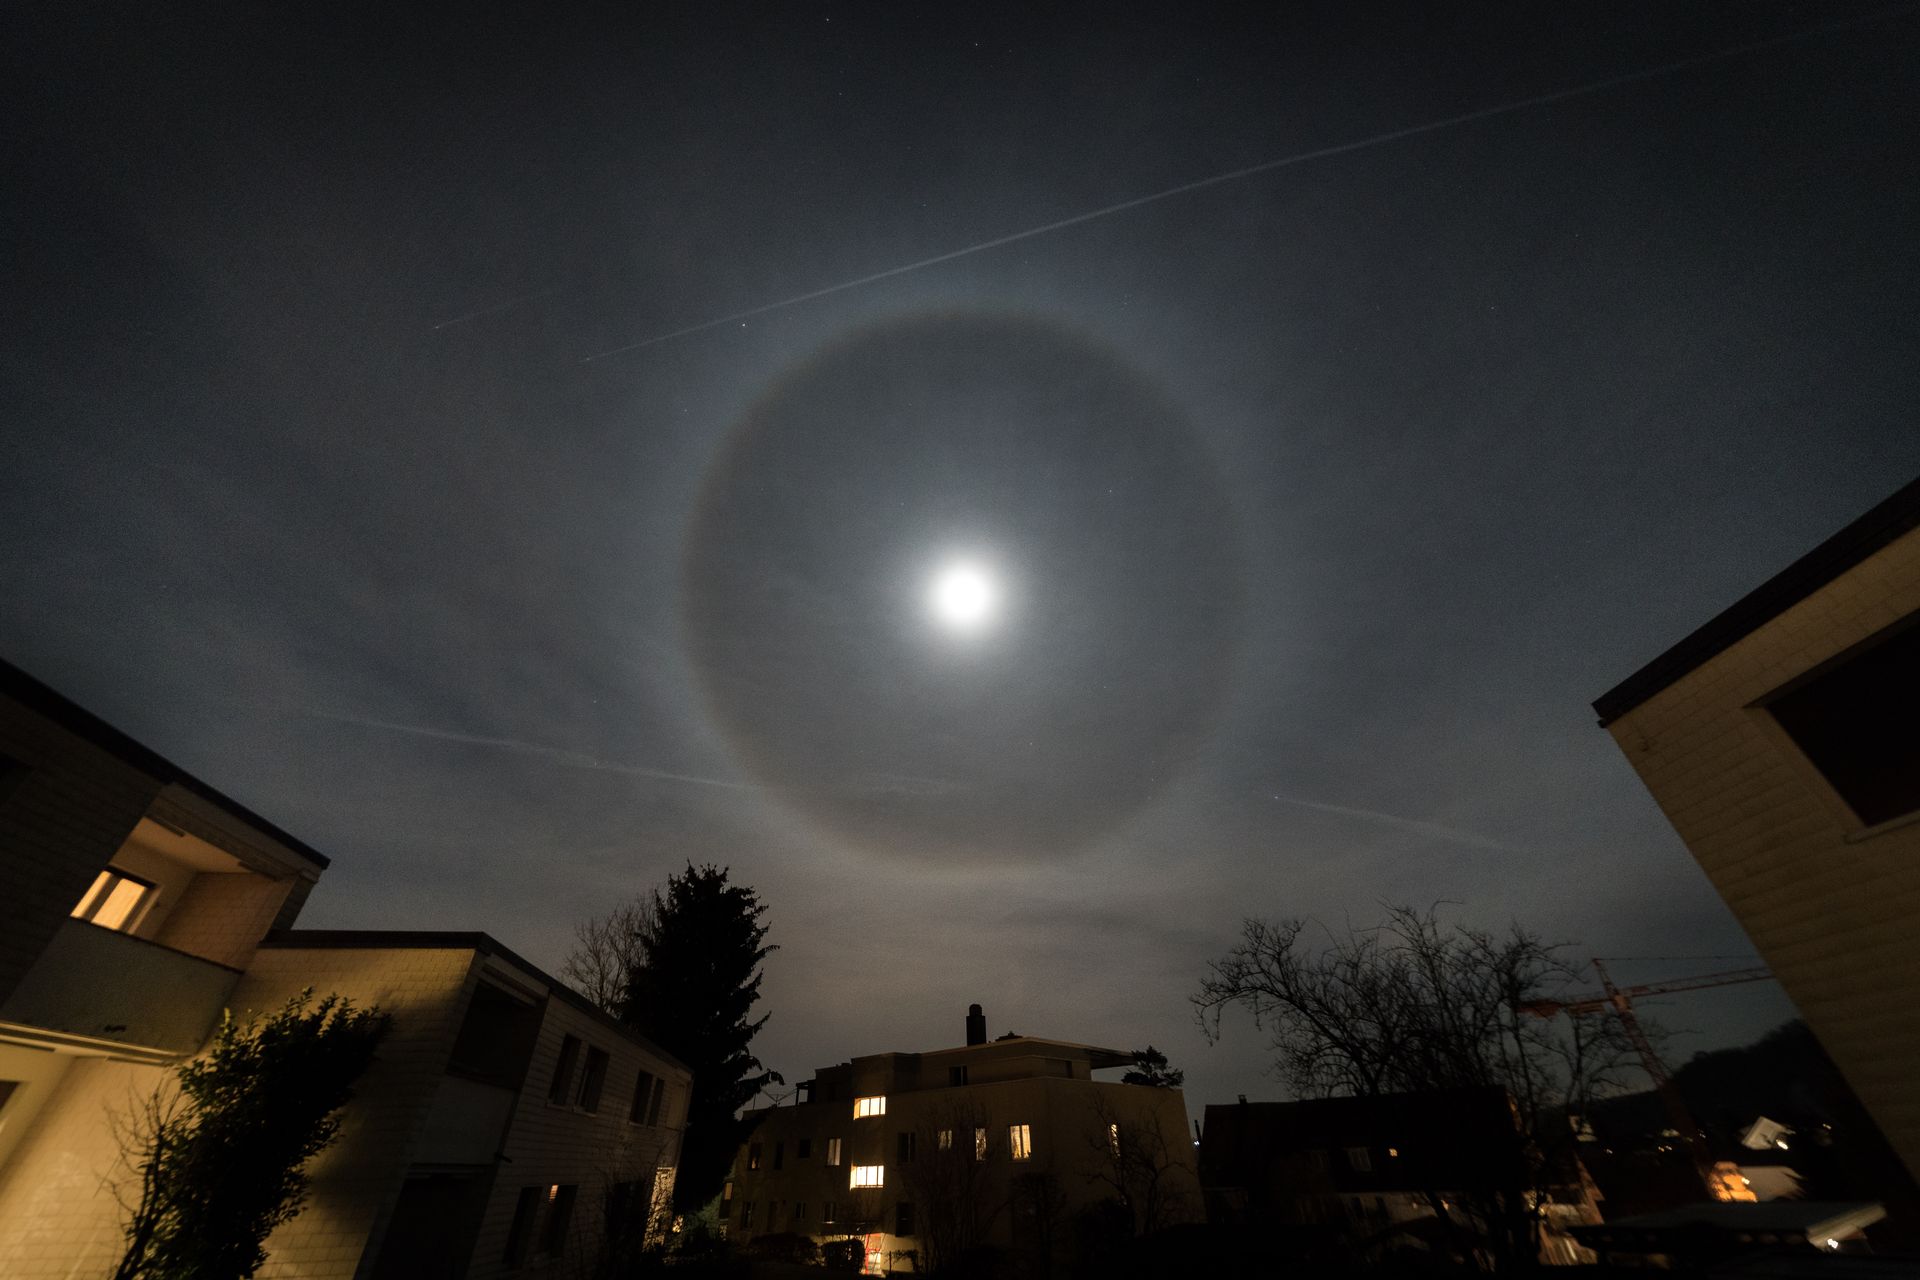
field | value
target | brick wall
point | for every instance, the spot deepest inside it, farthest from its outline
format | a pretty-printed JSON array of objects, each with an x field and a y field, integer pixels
[{"x": 1835, "y": 912}]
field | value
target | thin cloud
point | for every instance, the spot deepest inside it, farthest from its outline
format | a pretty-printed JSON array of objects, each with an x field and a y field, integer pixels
[
  {"x": 557, "y": 755},
  {"x": 1438, "y": 831},
  {"x": 1268, "y": 166}
]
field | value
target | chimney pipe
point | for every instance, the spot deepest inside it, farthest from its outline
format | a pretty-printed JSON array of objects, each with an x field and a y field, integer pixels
[{"x": 976, "y": 1025}]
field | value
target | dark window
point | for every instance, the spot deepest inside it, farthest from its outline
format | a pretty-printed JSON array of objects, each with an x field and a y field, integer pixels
[
  {"x": 622, "y": 1199},
  {"x": 746, "y": 1214},
  {"x": 903, "y": 1219},
  {"x": 563, "y": 1070},
  {"x": 496, "y": 1037},
  {"x": 593, "y": 1079},
  {"x": 799, "y": 1211},
  {"x": 520, "y": 1235},
  {"x": 553, "y": 1241},
  {"x": 803, "y": 1149},
  {"x": 642, "y": 1091},
  {"x": 828, "y": 1213},
  {"x": 779, "y": 1155},
  {"x": 906, "y": 1145},
  {"x": 753, "y": 1155},
  {"x": 1859, "y": 723},
  {"x": 956, "y": 1075},
  {"x": 659, "y": 1100}
]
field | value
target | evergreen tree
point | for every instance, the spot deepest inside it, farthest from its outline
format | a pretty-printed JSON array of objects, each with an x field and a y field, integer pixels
[
  {"x": 697, "y": 978},
  {"x": 1150, "y": 1068}
]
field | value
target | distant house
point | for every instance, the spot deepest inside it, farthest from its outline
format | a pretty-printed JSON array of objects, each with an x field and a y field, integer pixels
[
  {"x": 1782, "y": 740},
  {"x": 1379, "y": 1171},
  {"x": 504, "y": 1127},
  {"x": 996, "y": 1143}
]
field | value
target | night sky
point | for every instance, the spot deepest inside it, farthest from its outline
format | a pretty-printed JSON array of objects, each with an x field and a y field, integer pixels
[{"x": 448, "y": 433}]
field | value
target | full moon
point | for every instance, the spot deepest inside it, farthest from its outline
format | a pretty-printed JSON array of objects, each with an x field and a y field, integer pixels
[{"x": 963, "y": 596}]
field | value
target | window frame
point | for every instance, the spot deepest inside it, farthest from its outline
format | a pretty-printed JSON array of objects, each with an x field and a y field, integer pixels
[
  {"x": 875, "y": 1175},
  {"x": 593, "y": 1080},
  {"x": 870, "y": 1107},
  {"x": 107, "y": 883},
  {"x": 561, "y": 1086},
  {"x": 1020, "y": 1142}
]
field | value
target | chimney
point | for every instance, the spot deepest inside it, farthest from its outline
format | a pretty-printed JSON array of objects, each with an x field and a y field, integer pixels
[{"x": 976, "y": 1025}]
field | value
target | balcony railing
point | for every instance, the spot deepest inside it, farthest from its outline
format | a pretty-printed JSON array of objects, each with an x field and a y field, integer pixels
[{"x": 98, "y": 984}]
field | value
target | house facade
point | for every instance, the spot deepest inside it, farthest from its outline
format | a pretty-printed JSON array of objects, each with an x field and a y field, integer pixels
[
  {"x": 506, "y": 1126},
  {"x": 1782, "y": 740},
  {"x": 995, "y": 1143}
]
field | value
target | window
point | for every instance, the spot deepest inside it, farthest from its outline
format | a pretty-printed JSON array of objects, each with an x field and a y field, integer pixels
[
  {"x": 799, "y": 1212},
  {"x": 520, "y": 1236},
  {"x": 1113, "y": 1140},
  {"x": 1359, "y": 1159},
  {"x": 642, "y": 1091},
  {"x": 753, "y": 1155},
  {"x": 803, "y": 1148},
  {"x": 979, "y": 1144},
  {"x": 956, "y": 1076},
  {"x": 876, "y": 1106},
  {"x": 1856, "y": 722},
  {"x": 829, "y": 1213},
  {"x": 946, "y": 1139},
  {"x": 658, "y": 1102},
  {"x": 497, "y": 1037},
  {"x": 905, "y": 1147},
  {"x": 593, "y": 1080},
  {"x": 779, "y": 1155},
  {"x": 553, "y": 1240},
  {"x": 1020, "y": 1141},
  {"x": 868, "y": 1175},
  {"x": 746, "y": 1214},
  {"x": 833, "y": 1151},
  {"x": 903, "y": 1218},
  {"x": 115, "y": 900},
  {"x": 563, "y": 1070}
]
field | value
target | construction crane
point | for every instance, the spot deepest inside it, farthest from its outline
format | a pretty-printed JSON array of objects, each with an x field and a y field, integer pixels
[{"x": 1618, "y": 1001}]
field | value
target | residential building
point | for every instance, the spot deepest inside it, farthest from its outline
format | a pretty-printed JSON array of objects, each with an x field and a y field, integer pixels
[
  {"x": 1782, "y": 740},
  {"x": 1379, "y": 1171},
  {"x": 994, "y": 1143},
  {"x": 503, "y": 1127}
]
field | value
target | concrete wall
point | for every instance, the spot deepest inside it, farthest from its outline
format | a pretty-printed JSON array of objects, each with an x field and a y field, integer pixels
[
  {"x": 60, "y": 822},
  {"x": 560, "y": 1145},
  {"x": 107, "y": 986},
  {"x": 1830, "y": 908}
]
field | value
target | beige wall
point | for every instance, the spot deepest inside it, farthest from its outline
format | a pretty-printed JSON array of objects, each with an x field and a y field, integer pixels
[
  {"x": 1067, "y": 1119},
  {"x": 1833, "y": 910}
]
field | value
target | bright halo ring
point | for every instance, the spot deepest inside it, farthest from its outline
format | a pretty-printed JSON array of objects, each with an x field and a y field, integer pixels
[{"x": 964, "y": 596}]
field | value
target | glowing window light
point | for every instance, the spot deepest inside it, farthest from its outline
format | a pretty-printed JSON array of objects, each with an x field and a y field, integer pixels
[
  {"x": 979, "y": 1144},
  {"x": 1020, "y": 1141},
  {"x": 875, "y": 1106},
  {"x": 868, "y": 1175},
  {"x": 946, "y": 1139},
  {"x": 114, "y": 901},
  {"x": 1113, "y": 1139},
  {"x": 833, "y": 1151}
]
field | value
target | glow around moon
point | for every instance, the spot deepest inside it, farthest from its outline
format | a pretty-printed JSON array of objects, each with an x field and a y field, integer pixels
[{"x": 965, "y": 597}]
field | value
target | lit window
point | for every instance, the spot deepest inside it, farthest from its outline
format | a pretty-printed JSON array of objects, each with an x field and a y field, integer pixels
[
  {"x": 1113, "y": 1138},
  {"x": 946, "y": 1139},
  {"x": 868, "y": 1175},
  {"x": 979, "y": 1144},
  {"x": 753, "y": 1155},
  {"x": 1020, "y": 1141},
  {"x": 115, "y": 900},
  {"x": 833, "y": 1151},
  {"x": 876, "y": 1106}
]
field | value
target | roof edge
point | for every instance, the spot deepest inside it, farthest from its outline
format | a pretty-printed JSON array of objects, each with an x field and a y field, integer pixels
[
  {"x": 1886, "y": 523},
  {"x": 42, "y": 698},
  {"x": 457, "y": 940}
]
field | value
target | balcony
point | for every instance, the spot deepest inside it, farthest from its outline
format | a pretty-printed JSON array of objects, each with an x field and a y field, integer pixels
[{"x": 99, "y": 985}]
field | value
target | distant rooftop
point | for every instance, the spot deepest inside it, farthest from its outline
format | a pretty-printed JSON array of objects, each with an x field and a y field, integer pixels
[{"x": 1885, "y": 524}]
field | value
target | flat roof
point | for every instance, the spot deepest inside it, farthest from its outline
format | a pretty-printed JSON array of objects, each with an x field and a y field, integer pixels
[
  {"x": 453, "y": 940},
  {"x": 1883, "y": 525},
  {"x": 69, "y": 715}
]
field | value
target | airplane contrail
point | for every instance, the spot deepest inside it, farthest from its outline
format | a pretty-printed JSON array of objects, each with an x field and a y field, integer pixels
[
  {"x": 496, "y": 309},
  {"x": 1269, "y": 166},
  {"x": 559, "y": 755},
  {"x": 1437, "y": 830}
]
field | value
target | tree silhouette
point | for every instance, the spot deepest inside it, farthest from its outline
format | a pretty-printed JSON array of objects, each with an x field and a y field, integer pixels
[
  {"x": 697, "y": 978},
  {"x": 1150, "y": 1068}
]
